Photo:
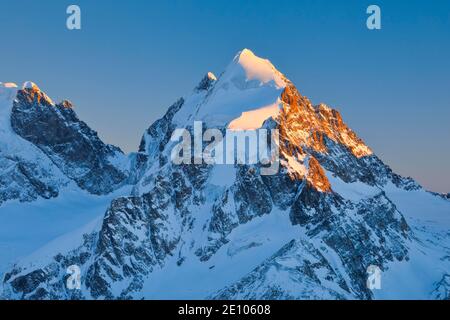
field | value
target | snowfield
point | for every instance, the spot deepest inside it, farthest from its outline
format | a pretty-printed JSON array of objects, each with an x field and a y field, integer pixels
[{"x": 27, "y": 227}]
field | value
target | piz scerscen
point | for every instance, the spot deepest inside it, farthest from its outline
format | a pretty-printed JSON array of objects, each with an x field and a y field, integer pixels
[{"x": 333, "y": 219}]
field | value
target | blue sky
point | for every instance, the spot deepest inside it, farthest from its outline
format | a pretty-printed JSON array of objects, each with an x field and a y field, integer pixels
[{"x": 132, "y": 59}]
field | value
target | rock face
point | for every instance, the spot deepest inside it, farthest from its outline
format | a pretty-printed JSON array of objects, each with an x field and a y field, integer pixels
[
  {"x": 68, "y": 142},
  {"x": 25, "y": 180},
  {"x": 442, "y": 290},
  {"x": 296, "y": 271},
  {"x": 26, "y": 173},
  {"x": 46, "y": 148},
  {"x": 309, "y": 231}
]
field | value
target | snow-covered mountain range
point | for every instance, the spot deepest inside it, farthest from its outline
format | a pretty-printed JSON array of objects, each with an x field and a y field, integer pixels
[{"x": 140, "y": 226}]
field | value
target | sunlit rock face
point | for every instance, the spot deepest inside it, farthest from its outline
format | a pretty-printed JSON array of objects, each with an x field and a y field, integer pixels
[
  {"x": 305, "y": 124},
  {"x": 196, "y": 231},
  {"x": 319, "y": 131},
  {"x": 315, "y": 130}
]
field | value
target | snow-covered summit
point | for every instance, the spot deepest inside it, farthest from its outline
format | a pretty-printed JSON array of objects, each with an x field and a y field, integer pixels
[
  {"x": 253, "y": 70},
  {"x": 30, "y": 85},
  {"x": 244, "y": 96}
]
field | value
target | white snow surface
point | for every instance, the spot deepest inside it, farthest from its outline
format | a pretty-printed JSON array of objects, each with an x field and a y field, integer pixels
[
  {"x": 429, "y": 218},
  {"x": 46, "y": 227},
  {"x": 30, "y": 85},
  {"x": 249, "y": 246},
  {"x": 245, "y": 95}
]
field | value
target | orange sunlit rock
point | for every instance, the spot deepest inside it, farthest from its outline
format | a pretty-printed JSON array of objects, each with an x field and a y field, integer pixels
[{"x": 304, "y": 126}]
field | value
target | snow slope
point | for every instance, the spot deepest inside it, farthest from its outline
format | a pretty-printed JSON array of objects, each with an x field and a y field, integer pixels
[
  {"x": 429, "y": 218},
  {"x": 26, "y": 227},
  {"x": 246, "y": 94}
]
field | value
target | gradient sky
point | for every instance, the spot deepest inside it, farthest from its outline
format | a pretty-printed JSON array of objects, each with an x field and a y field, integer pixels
[{"x": 132, "y": 59}]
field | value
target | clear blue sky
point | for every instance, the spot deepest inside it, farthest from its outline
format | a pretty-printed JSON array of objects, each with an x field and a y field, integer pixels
[{"x": 132, "y": 59}]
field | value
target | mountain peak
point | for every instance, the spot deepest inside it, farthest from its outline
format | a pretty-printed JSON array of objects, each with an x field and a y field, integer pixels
[
  {"x": 251, "y": 68},
  {"x": 32, "y": 90},
  {"x": 245, "y": 95},
  {"x": 30, "y": 85},
  {"x": 206, "y": 82},
  {"x": 227, "y": 230},
  {"x": 245, "y": 52},
  {"x": 211, "y": 76}
]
